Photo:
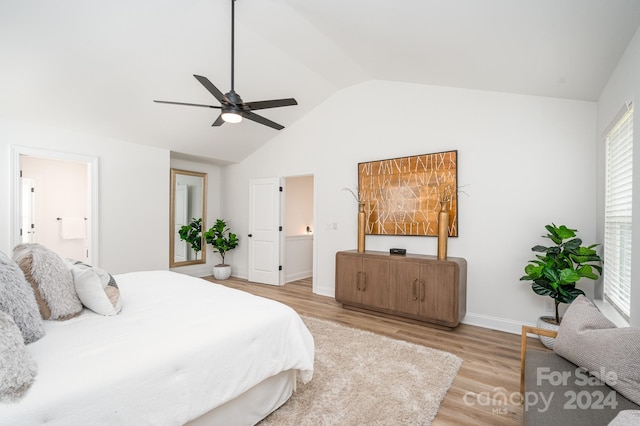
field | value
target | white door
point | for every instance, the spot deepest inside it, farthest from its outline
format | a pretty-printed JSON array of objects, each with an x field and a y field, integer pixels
[
  {"x": 264, "y": 231},
  {"x": 27, "y": 227}
]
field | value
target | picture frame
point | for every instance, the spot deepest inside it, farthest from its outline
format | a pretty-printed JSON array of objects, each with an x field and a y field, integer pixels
[{"x": 403, "y": 196}]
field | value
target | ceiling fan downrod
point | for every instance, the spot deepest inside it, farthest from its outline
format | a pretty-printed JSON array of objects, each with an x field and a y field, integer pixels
[{"x": 233, "y": 32}]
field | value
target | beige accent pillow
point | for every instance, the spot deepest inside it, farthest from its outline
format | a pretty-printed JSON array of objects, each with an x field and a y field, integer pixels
[
  {"x": 591, "y": 341},
  {"x": 51, "y": 280}
]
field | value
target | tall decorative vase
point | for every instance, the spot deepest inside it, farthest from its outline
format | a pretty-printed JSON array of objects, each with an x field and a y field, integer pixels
[
  {"x": 443, "y": 232},
  {"x": 361, "y": 223}
]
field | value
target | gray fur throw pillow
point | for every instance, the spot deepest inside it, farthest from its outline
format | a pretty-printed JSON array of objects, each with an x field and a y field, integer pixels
[
  {"x": 51, "y": 280},
  {"x": 17, "y": 300},
  {"x": 17, "y": 369},
  {"x": 591, "y": 341}
]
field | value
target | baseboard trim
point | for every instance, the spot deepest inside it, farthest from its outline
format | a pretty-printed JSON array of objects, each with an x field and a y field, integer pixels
[
  {"x": 495, "y": 323},
  {"x": 322, "y": 291},
  {"x": 298, "y": 276},
  {"x": 198, "y": 272}
]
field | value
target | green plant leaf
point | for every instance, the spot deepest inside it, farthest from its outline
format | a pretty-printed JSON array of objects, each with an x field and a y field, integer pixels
[
  {"x": 573, "y": 244},
  {"x": 543, "y": 289},
  {"x": 568, "y": 276},
  {"x": 539, "y": 248},
  {"x": 553, "y": 275},
  {"x": 553, "y": 250},
  {"x": 569, "y": 294},
  {"x": 565, "y": 233},
  {"x": 534, "y": 271},
  {"x": 587, "y": 272}
]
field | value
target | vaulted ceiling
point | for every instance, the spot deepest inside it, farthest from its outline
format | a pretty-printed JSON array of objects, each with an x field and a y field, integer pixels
[{"x": 95, "y": 66}]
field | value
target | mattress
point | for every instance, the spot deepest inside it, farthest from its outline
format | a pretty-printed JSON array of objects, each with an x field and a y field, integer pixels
[{"x": 181, "y": 347}]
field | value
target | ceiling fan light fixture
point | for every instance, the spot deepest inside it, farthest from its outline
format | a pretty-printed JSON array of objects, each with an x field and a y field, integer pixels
[{"x": 231, "y": 115}]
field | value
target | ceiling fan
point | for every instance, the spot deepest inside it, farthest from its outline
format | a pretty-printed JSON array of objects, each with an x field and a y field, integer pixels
[{"x": 232, "y": 107}]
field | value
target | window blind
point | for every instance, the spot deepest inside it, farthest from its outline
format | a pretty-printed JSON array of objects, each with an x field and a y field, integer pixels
[{"x": 618, "y": 217}]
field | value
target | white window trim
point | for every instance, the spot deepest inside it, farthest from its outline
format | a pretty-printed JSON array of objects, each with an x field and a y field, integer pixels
[{"x": 611, "y": 313}]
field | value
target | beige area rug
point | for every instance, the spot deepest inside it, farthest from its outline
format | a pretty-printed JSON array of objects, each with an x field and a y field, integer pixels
[{"x": 362, "y": 378}]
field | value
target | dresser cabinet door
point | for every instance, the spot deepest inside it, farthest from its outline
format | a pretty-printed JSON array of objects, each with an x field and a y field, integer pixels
[
  {"x": 405, "y": 287},
  {"x": 348, "y": 275},
  {"x": 439, "y": 292},
  {"x": 374, "y": 285},
  {"x": 362, "y": 280}
]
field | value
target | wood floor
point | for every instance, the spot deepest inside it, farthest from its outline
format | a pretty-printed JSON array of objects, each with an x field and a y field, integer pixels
[{"x": 490, "y": 372}]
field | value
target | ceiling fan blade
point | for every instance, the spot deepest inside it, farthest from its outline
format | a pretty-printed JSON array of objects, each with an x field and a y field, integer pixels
[
  {"x": 271, "y": 104},
  {"x": 259, "y": 119},
  {"x": 182, "y": 103},
  {"x": 211, "y": 88},
  {"x": 219, "y": 121}
]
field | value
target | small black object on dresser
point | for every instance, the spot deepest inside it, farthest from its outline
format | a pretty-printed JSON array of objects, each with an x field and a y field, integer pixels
[{"x": 398, "y": 251}]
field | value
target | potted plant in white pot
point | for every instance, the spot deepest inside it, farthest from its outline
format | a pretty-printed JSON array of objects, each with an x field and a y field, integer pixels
[
  {"x": 222, "y": 241},
  {"x": 556, "y": 271}
]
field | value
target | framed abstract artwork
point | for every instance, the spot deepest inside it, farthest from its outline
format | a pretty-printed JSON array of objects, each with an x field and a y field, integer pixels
[{"x": 403, "y": 196}]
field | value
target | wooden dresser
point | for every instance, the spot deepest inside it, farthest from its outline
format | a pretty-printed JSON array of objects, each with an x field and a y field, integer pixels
[{"x": 417, "y": 287}]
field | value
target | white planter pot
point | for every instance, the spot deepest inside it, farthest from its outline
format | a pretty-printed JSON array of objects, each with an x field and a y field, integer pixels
[
  {"x": 221, "y": 272},
  {"x": 547, "y": 341}
]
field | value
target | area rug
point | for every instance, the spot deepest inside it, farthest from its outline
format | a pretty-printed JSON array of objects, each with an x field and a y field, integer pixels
[{"x": 362, "y": 378}]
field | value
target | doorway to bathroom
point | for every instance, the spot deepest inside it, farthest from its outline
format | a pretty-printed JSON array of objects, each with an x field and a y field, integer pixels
[
  {"x": 55, "y": 202},
  {"x": 299, "y": 226}
]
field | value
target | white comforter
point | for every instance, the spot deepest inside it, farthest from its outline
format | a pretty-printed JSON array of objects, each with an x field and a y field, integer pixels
[{"x": 180, "y": 347}]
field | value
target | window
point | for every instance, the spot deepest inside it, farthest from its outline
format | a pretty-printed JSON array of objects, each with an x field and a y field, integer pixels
[{"x": 617, "y": 216}]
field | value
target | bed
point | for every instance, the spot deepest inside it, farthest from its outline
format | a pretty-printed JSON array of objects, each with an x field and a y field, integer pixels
[{"x": 182, "y": 350}]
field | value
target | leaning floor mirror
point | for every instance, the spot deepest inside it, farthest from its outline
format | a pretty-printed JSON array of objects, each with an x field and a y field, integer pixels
[{"x": 187, "y": 212}]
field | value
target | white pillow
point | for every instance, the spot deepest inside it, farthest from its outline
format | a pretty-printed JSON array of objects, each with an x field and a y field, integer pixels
[{"x": 96, "y": 288}]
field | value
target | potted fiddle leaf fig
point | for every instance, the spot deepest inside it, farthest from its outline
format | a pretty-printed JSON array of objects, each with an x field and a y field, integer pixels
[
  {"x": 192, "y": 234},
  {"x": 222, "y": 241},
  {"x": 558, "y": 268}
]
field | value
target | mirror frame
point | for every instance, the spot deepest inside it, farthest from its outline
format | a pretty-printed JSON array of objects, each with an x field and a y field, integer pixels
[{"x": 172, "y": 218}]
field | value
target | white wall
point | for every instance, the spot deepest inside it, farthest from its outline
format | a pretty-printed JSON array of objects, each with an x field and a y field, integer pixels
[
  {"x": 298, "y": 257},
  {"x": 133, "y": 195},
  {"x": 527, "y": 161},
  {"x": 214, "y": 188},
  {"x": 298, "y": 205},
  {"x": 622, "y": 87}
]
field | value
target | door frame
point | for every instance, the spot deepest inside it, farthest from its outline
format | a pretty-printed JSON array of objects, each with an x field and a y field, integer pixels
[
  {"x": 92, "y": 168},
  {"x": 282, "y": 200}
]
